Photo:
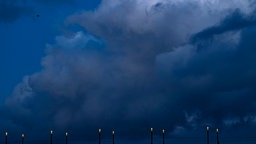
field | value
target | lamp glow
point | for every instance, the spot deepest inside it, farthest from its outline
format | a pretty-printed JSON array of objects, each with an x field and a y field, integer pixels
[
  {"x": 207, "y": 128},
  {"x": 22, "y": 135},
  {"x": 99, "y": 130},
  {"x": 51, "y": 132},
  {"x": 151, "y": 129},
  {"x": 163, "y": 131},
  {"x": 6, "y": 133},
  {"x": 113, "y": 132},
  {"x": 66, "y": 133}
]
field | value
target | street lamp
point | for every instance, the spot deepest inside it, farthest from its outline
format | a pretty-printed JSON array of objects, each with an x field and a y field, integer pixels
[
  {"x": 6, "y": 137},
  {"x": 99, "y": 136},
  {"x": 113, "y": 137},
  {"x": 151, "y": 135},
  {"x": 51, "y": 133},
  {"x": 66, "y": 137},
  {"x": 207, "y": 132},
  {"x": 163, "y": 131},
  {"x": 22, "y": 138},
  {"x": 217, "y": 135}
]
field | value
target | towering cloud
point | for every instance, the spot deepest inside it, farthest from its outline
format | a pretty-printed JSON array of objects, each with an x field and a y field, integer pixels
[{"x": 161, "y": 63}]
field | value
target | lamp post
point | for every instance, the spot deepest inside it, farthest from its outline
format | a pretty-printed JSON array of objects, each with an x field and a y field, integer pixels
[
  {"x": 113, "y": 137},
  {"x": 6, "y": 137},
  {"x": 99, "y": 136},
  {"x": 66, "y": 137},
  {"x": 163, "y": 131},
  {"x": 207, "y": 132},
  {"x": 151, "y": 135},
  {"x": 217, "y": 135},
  {"x": 51, "y": 132},
  {"x": 22, "y": 138}
]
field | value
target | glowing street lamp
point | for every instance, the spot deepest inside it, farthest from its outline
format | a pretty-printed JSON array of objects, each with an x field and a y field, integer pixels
[
  {"x": 163, "y": 131},
  {"x": 113, "y": 137},
  {"x": 207, "y": 132},
  {"x": 217, "y": 134},
  {"x": 151, "y": 135},
  {"x": 22, "y": 138},
  {"x": 99, "y": 136},
  {"x": 6, "y": 137},
  {"x": 51, "y": 133},
  {"x": 66, "y": 137}
]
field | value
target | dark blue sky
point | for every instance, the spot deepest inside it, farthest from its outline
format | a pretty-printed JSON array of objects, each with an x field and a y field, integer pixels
[{"x": 129, "y": 65}]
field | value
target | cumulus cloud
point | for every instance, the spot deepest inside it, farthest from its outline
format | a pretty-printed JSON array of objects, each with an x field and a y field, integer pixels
[{"x": 135, "y": 67}]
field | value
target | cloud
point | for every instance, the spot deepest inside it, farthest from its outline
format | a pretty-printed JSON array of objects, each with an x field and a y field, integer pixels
[
  {"x": 134, "y": 67},
  {"x": 236, "y": 21},
  {"x": 217, "y": 70}
]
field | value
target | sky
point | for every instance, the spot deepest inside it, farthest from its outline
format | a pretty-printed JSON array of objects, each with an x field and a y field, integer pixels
[{"x": 128, "y": 65}]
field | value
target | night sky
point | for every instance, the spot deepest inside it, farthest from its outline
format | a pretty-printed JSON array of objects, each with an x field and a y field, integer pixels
[{"x": 128, "y": 65}]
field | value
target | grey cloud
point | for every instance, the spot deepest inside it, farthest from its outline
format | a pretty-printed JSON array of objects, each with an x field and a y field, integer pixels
[
  {"x": 142, "y": 27},
  {"x": 235, "y": 21},
  {"x": 221, "y": 75}
]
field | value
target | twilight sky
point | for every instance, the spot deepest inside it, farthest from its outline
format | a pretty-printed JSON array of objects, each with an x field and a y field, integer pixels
[{"x": 80, "y": 65}]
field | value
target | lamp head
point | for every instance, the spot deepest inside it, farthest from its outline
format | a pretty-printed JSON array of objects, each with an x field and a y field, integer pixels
[
  {"x": 163, "y": 131},
  {"x": 66, "y": 134},
  {"x": 99, "y": 130},
  {"x": 51, "y": 132},
  {"x": 151, "y": 129},
  {"x": 22, "y": 135},
  {"x": 6, "y": 133},
  {"x": 207, "y": 128}
]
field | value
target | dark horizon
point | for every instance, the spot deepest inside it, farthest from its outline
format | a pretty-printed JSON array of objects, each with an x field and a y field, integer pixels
[{"x": 106, "y": 138}]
